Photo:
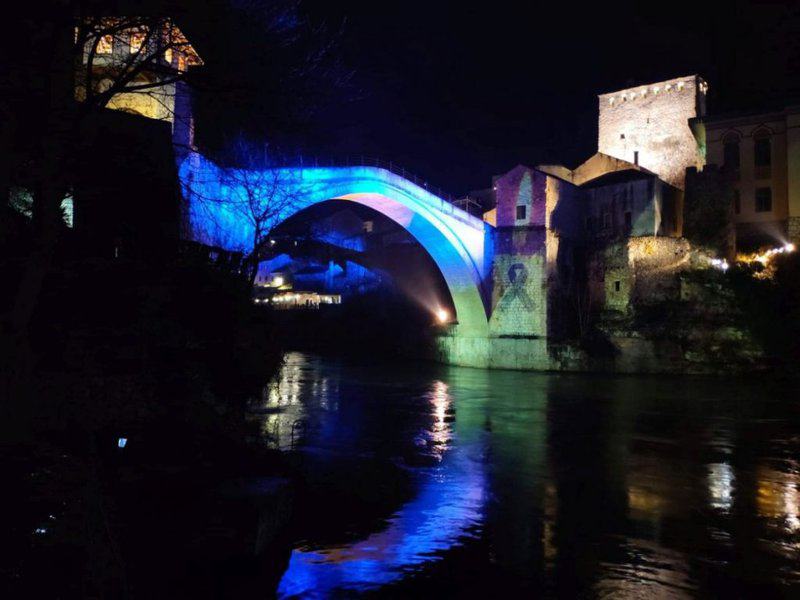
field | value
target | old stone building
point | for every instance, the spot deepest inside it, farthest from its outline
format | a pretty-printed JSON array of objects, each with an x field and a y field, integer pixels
[
  {"x": 114, "y": 45},
  {"x": 573, "y": 244},
  {"x": 126, "y": 194},
  {"x": 649, "y": 125},
  {"x": 759, "y": 155}
]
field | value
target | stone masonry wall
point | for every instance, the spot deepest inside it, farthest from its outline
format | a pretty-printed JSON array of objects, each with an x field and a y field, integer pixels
[
  {"x": 653, "y": 121},
  {"x": 519, "y": 296}
]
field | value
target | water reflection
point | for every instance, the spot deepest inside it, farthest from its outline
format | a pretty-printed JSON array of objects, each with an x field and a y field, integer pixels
[
  {"x": 778, "y": 498},
  {"x": 553, "y": 485},
  {"x": 721, "y": 481}
]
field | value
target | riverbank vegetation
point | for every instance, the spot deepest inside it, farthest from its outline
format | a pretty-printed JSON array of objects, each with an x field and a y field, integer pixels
[{"x": 137, "y": 384}]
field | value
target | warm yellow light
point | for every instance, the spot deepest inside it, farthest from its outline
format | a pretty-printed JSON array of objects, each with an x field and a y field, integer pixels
[
  {"x": 137, "y": 40},
  {"x": 442, "y": 315},
  {"x": 278, "y": 281}
]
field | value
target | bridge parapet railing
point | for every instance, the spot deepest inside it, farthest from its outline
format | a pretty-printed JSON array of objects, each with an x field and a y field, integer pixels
[{"x": 371, "y": 161}]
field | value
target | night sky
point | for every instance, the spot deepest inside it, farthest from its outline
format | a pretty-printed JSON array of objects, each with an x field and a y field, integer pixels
[{"x": 457, "y": 94}]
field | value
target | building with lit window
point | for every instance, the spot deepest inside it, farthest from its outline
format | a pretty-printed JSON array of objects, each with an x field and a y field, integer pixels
[
  {"x": 759, "y": 154},
  {"x": 130, "y": 73},
  {"x": 154, "y": 51}
]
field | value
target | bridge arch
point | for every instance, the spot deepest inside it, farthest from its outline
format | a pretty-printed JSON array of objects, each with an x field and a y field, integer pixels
[{"x": 454, "y": 239}]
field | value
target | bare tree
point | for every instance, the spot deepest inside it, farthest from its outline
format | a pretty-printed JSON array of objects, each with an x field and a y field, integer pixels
[{"x": 258, "y": 190}]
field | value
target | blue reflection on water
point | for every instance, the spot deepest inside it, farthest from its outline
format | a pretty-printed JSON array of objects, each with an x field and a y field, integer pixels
[{"x": 447, "y": 508}]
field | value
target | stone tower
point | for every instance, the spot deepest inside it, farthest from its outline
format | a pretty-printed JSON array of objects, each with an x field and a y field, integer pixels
[{"x": 648, "y": 125}]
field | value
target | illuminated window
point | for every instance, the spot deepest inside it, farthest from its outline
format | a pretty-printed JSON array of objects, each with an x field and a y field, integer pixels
[
  {"x": 168, "y": 55},
  {"x": 762, "y": 149},
  {"x": 522, "y": 212},
  {"x": 137, "y": 39},
  {"x": 763, "y": 199},
  {"x": 105, "y": 45}
]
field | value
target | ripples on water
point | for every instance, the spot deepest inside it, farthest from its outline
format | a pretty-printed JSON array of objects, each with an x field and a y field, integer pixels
[{"x": 448, "y": 481}]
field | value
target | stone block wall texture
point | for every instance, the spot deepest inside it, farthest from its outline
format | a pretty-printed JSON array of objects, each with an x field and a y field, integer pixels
[
  {"x": 793, "y": 229},
  {"x": 653, "y": 121},
  {"x": 645, "y": 268},
  {"x": 522, "y": 186},
  {"x": 655, "y": 263},
  {"x": 519, "y": 297}
]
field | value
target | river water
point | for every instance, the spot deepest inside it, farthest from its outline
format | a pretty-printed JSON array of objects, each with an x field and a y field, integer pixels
[{"x": 426, "y": 480}]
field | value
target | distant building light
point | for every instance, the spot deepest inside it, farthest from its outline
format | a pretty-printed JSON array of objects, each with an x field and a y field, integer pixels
[
  {"x": 278, "y": 281},
  {"x": 137, "y": 41},
  {"x": 122, "y": 442},
  {"x": 105, "y": 45}
]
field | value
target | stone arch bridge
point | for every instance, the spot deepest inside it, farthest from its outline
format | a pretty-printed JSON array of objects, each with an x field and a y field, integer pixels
[{"x": 459, "y": 243}]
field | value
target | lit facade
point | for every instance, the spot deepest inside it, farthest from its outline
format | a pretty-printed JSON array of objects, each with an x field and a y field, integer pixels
[
  {"x": 649, "y": 126},
  {"x": 115, "y": 46},
  {"x": 759, "y": 154}
]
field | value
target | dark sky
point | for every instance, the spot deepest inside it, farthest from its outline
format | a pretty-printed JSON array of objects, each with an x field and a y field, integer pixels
[{"x": 458, "y": 93}]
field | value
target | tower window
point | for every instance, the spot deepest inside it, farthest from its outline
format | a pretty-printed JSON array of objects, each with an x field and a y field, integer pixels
[
  {"x": 616, "y": 286},
  {"x": 763, "y": 199},
  {"x": 522, "y": 212},
  {"x": 730, "y": 158},
  {"x": 622, "y": 136},
  {"x": 762, "y": 149}
]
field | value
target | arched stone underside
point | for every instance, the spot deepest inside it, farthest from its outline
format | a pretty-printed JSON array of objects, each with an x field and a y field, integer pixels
[{"x": 454, "y": 239}]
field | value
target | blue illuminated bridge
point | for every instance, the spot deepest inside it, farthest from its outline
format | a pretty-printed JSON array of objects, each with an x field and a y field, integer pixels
[{"x": 458, "y": 242}]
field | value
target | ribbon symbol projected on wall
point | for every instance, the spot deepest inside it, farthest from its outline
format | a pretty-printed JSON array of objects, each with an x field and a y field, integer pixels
[{"x": 517, "y": 277}]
